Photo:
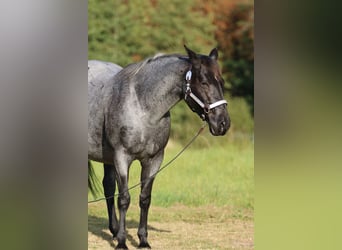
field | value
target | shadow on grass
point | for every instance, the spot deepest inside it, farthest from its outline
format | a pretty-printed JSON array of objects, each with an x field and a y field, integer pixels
[{"x": 98, "y": 226}]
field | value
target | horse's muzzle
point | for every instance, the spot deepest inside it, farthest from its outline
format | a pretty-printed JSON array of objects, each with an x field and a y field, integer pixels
[{"x": 219, "y": 125}]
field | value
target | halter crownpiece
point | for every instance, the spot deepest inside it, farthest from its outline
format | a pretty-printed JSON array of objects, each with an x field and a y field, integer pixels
[{"x": 206, "y": 107}]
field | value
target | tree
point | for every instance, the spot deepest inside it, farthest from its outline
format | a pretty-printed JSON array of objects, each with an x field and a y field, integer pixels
[
  {"x": 239, "y": 65},
  {"x": 127, "y": 31},
  {"x": 234, "y": 22}
]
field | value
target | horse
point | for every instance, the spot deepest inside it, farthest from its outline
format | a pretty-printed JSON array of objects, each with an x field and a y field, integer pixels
[{"x": 129, "y": 119}]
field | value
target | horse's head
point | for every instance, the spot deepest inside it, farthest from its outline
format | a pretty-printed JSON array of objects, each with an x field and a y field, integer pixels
[{"x": 204, "y": 91}]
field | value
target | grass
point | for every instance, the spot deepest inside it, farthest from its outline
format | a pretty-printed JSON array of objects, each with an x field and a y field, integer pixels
[{"x": 222, "y": 175}]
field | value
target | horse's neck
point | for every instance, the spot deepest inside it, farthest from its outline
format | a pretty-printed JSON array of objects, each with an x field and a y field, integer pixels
[{"x": 163, "y": 89}]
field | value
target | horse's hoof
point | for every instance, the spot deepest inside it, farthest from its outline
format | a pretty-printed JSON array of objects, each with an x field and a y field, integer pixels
[
  {"x": 144, "y": 245},
  {"x": 121, "y": 246}
]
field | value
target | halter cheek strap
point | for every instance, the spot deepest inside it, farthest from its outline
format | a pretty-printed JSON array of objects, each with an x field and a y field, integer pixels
[{"x": 188, "y": 92}]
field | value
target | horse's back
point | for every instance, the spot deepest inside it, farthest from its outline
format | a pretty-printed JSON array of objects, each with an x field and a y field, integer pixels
[
  {"x": 101, "y": 72},
  {"x": 100, "y": 79}
]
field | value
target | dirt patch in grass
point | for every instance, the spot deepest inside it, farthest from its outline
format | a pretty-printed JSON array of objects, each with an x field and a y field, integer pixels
[{"x": 178, "y": 227}]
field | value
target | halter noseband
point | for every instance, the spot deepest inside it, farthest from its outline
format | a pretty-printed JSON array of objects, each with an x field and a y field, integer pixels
[{"x": 206, "y": 107}]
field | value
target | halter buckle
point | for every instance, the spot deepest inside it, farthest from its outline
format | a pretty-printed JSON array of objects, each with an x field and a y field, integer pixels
[
  {"x": 188, "y": 76},
  {"x": 188, "y": 79}
]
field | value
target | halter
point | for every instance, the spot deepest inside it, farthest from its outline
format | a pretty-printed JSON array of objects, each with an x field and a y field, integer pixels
[{"x": 206, "y": 107}]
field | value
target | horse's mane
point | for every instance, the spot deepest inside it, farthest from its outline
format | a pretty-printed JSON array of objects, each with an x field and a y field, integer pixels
[{"x": 134, "y": 68}]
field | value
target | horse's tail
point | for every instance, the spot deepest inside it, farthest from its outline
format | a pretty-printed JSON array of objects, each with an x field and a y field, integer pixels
[{"x": 92, "y": 180}]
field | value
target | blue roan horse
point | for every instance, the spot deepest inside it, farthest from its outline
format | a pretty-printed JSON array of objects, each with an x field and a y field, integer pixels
[{"x": 129, "y": 119}]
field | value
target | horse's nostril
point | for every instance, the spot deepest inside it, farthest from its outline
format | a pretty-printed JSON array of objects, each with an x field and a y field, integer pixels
[{"x": 223, "y": 124}]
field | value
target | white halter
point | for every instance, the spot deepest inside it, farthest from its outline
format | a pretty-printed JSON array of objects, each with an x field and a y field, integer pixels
[{"x": 206, "y": 107}]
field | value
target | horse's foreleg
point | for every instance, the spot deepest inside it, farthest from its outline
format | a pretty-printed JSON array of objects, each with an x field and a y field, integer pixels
[
  {"x": 109, "y": 191},
  {"x": 121, "y": 169},
  {"x": 149, "y": 169}
]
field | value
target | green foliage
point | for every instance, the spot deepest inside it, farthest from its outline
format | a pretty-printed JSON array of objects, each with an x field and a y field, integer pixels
[
  {"x": 241, "y": 79},
  {"x": 239, "y": 66},
  {"x": 128, "y": 31},
  {"x": 235, "y": 35}
]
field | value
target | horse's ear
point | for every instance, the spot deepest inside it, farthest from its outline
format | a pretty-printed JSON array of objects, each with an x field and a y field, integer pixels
[
  {"x": 194, "y": 59},
  {"x": 213, "y": 54}
]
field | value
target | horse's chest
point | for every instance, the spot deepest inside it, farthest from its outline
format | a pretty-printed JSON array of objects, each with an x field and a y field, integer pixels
[{"x": 143, "y": 140}]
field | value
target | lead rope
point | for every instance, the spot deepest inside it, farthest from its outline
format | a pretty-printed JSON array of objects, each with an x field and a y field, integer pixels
[{"x": 163, "y": 167}]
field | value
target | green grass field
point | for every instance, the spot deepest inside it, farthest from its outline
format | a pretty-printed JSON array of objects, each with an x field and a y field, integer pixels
[{"x": 221, "y": 175}]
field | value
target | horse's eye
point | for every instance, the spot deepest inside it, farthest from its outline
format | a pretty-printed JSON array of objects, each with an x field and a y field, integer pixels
[{"x": 205, "y": 83}]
